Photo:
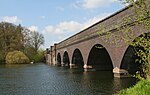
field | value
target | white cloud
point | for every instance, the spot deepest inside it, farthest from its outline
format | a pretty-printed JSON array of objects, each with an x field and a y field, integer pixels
[
  {"x": 91, "y": 4},
  {"x": 11, "y": 19},
  {"x": 71, "y": 26},
  {"x": 52, "y": 29},
  {"x": 66, "y": 29},
  {"x": 63, "y": 27},
  {"x": 33, "y": 28},
  {"x": 95, "y": 20}
]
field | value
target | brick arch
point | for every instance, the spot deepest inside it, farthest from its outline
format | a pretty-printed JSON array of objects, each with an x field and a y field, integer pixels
[
  {"x": 59, "y": 59},
  {"x": 66, "y": 59},
  {"x": 129, "y": 62},
  {"x": 99, "y": 58},
  {"x": 77, "y": 58}
]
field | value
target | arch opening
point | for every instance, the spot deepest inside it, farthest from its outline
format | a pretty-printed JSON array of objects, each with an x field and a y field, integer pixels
[
  {"x": 66, "y": 60},
  {"x": 130, "y": 61},
  {"x": 58, "y": 59},
  {"x": 99, "y": 58},
  {"x": 77, "y": 59}
]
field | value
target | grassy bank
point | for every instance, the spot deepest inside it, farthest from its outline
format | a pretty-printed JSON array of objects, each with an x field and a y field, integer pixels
[{"x": 141, "y": 88}]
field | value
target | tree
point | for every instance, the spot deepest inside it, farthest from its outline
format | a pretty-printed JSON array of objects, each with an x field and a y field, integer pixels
[
  {"x": 15, "y": 37},
  {"x": 39, "y": 57},
  {"x": 36, "y": 40},
  {"x": 8, "y": 38},
  {"x": 140, "y": 16},
  {"x": 11, "y": 36}
]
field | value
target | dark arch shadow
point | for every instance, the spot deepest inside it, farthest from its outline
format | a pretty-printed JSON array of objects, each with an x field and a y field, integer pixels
[
  {"x": 129, "y": 62},
  {"x": 99, "y": 58},
  {"x": 58, "y": 59},
  {"x": 66, "y": 60},
  {"x": 77, "y": 59}
]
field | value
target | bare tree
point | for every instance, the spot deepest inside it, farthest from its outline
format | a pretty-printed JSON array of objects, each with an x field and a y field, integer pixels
[{"x": 36, "y": 40}]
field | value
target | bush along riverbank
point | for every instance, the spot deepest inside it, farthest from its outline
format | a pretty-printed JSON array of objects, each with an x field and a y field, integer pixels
[
  {"x": 141, "y": 88},
  {"x": 19, "y": 45}
]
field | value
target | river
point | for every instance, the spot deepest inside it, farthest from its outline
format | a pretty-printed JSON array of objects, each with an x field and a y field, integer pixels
[{"x": 42, "y": 79}]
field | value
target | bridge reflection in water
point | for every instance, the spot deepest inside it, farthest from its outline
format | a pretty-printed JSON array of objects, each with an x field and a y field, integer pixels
[{"x": 41, "y": 79}]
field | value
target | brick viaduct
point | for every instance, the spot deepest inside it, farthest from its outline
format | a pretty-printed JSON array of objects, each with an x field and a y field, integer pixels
[{"x": 89, "y": 50}]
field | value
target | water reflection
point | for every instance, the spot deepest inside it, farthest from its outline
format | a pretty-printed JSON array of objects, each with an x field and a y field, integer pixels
[{"x": 41, "y": 79}]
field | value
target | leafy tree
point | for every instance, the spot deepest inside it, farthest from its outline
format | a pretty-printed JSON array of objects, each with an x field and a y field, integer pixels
[
  {"x": 140, "y": 16},
  {"x": 39, "y": 57},
  {"x": 13, "y": 37},
  {"x": 33, "y": 40},
  {"x": 7, "y": 36},
  {"x": 30, "y": 52}
]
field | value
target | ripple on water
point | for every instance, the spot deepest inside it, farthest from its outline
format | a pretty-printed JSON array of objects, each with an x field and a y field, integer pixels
[{"x": 41, "y": 79}]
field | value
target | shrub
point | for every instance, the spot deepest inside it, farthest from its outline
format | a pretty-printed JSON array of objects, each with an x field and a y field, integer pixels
[
  {"x": 39, "y": 57},
  {"x": 16, "y": 57}
]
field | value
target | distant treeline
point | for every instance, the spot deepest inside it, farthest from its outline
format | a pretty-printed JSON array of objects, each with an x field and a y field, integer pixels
[{"x": 18, "y": 38}]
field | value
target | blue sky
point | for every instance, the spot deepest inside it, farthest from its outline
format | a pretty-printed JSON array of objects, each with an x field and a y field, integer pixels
[{"x": 56, "y": 19}]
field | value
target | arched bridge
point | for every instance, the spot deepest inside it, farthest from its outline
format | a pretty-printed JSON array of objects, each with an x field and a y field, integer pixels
[{"x": 89, "y": 50}]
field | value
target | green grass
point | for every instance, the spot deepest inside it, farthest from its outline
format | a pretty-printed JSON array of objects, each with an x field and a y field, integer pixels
[{"x": 141, "y": 88}]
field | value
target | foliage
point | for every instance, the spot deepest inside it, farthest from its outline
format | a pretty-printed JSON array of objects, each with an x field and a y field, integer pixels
[
  {"x": 39, "y": 57},
  {"x": 33, "y": 39},
  {"x": 143, "y": 42},
  {"x": 36, "y": 56},
  {"x": 15, "y": 37},
  {"x": 36, "y": 40},
  {"x": 2, "y": 61},
  {"x": 10, "y": 37},
  {"x": 30, "y": 52},
  {"x": 140, "y": 17},
  {"x": 141, "y": 88},
  {"x": 16, "y": 57}
]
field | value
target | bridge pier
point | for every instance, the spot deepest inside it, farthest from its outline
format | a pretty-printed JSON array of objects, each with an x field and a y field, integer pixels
[
  {"x": 72, "y": 65},
  {"x": 119, "y": 73},
  {"x": 88, "y": 68},
  {"x": 64, "y": 64}
]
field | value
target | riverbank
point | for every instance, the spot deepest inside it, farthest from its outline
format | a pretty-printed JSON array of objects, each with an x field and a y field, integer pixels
[{"x": 141, "y": 88}]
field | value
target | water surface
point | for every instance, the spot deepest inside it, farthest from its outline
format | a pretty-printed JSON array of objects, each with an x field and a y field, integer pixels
[{"x": 42, "y": 79}]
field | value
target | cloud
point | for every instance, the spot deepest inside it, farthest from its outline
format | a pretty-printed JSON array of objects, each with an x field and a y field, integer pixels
[
  {"x": 52, "y": 29},
  {"x": 11, "y": 19},
  {"x": 92, "y": 4},
  {"x": 63, "y": 27},
  {"x": 67, "y": 28},
  {"x": 70, "y": 26},
  {"x": 95, "y": 20},
  {"x": 33, "y": 28}
]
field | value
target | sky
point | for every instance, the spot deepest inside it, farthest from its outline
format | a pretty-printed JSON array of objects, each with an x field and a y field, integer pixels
[{"x": 57, "y": 19}]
